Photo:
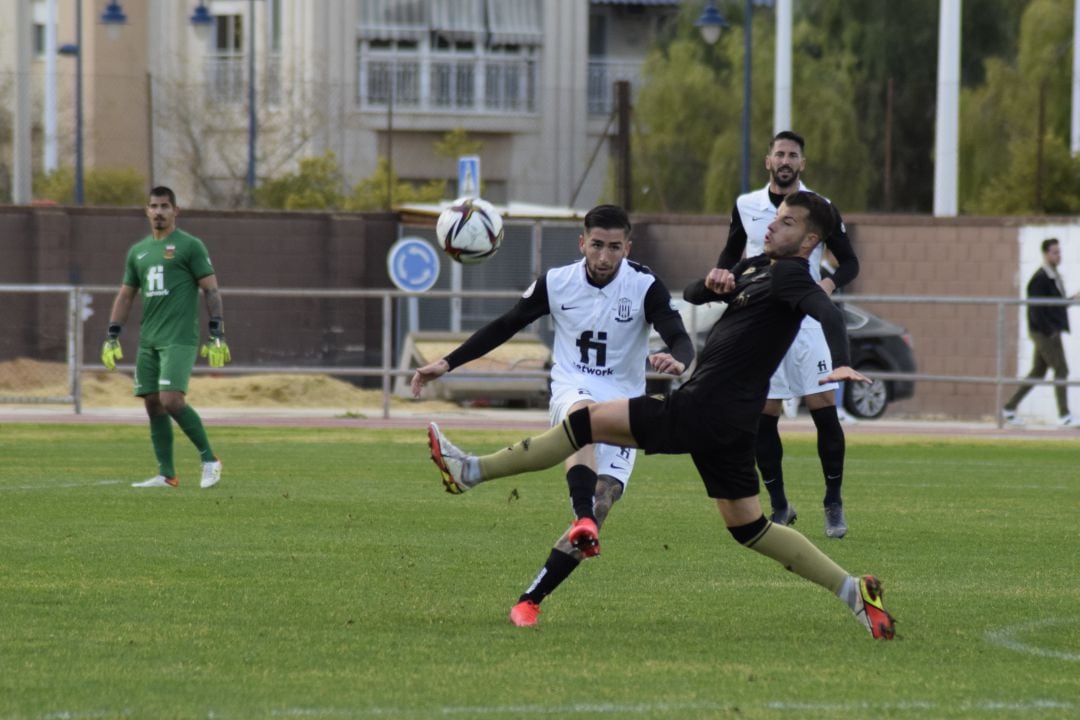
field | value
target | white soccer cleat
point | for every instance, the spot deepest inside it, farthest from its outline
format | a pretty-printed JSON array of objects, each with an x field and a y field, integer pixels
[
  {"x": 1011, "y": 418},
  {"x": 452, "y": 462},
  {"x": 843, "y": 416},
  {"x": 157, "y": 481},
  {"x": 211, "y": 474}
]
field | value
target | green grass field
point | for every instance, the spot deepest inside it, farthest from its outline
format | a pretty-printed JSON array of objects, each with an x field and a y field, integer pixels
[{"x": 329, "y": 576}]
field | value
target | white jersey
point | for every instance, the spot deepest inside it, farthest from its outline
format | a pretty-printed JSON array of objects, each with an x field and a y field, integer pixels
[
  {"x": 756, "y": 212},
  {"x": 600, "y": 333}
]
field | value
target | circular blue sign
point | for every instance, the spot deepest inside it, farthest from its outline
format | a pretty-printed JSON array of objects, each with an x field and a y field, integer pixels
[{"x": 413, "y": 264}]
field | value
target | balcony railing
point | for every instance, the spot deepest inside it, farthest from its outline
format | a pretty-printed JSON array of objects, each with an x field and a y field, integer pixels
[
  {"x": 602, "y": 75},
  {"x": 462, "y": 84},
  {"x": 226, "y": 78}
]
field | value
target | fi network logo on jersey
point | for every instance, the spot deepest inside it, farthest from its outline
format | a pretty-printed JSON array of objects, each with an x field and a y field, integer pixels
[
  {"x": 155, "y": 282},
  {"x": 622, "y": 314}
]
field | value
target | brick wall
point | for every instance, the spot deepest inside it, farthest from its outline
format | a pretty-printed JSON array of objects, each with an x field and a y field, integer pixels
[{"x": 899, "y": 255}]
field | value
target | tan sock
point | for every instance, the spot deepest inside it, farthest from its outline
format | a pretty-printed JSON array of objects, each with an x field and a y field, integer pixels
[
  {"x": 797, "y": 554},
  {"x": 535, "y": 453}
]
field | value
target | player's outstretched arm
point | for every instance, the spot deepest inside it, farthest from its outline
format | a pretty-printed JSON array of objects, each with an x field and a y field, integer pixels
[
  {"x": 844, "y": 374},
  {"x": 424, "y": 375}
]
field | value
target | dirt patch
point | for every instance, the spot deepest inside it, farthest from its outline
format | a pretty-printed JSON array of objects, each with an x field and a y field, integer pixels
[{"x": 32, "y": 378}]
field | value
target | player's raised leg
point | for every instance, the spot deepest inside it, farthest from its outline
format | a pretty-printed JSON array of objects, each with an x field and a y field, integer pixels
[{"x": 607, "y": 422}]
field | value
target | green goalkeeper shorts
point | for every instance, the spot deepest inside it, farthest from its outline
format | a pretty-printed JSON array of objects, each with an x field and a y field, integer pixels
[{"x": 164, "y": 369}]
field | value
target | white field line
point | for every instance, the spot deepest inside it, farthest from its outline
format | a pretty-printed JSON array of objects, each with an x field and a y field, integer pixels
[
  {"x": 1006, "y": 638},
  {"x": 916, "y": 707},
  {"x": 60, "y": 486}
]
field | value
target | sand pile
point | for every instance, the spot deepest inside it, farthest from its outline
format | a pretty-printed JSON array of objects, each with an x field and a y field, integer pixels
[{"x": 34, "y": 378}]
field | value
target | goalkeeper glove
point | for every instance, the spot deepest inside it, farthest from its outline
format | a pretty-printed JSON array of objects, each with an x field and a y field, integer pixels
[
  {"x": 216, "y": 349},
  {"x": 110, "y": 349}
]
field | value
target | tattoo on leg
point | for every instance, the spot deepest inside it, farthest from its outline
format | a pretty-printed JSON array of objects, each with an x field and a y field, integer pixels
[{"x": 608, "y": 491}]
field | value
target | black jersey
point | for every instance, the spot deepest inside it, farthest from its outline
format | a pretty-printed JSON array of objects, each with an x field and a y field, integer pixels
[{"x": 747, "y": 343}]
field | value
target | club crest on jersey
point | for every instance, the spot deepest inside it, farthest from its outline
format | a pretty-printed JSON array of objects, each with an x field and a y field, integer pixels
[
  {"x": 170, "y": 252},
  {"x": 622, "y": 314}
]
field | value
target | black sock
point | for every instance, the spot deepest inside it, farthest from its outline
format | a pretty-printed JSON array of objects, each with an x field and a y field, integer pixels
[
  {"x": 830, "y": 447},
  {"x": 582, "y": 483},
  {"x": 580, "y": 426},
  {"x": 558, "y": 567},
  {"x": 770, "y": 456}
]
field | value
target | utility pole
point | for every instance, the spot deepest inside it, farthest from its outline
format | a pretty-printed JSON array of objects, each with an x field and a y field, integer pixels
[{"x": 622, "y": 99}]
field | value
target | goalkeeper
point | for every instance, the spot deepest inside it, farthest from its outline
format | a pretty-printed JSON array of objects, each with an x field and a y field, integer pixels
[{"x": 169, "y": 267}]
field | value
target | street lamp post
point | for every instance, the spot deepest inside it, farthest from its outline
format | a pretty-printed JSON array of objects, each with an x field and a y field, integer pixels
[
  {"x": 113, "y": 17},
  {"x": 252, "y": 116},
  {"x": 711, "y": 24},
  {"x": 202, "y": 19}
]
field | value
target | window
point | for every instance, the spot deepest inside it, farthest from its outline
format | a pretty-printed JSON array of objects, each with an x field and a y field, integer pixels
[
  {"x": 229, "y": 34},
  {"x": 465, "y": 55},
  {"x": 225, "y": 65},
  {"x": 597, "y": 35},
  {"x": 39, "y": 40},
  {"x": 273, "y": 19}
]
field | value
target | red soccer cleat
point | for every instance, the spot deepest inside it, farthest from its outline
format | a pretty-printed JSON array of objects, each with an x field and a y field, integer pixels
[
  {"x": 871, "y": 611},
  {"x": 585, "y": 537},
  {"x": 525, "y": 613}
]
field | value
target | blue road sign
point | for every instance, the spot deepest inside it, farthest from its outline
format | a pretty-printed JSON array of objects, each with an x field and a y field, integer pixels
[
  {"x": 468, "y": 176},
  {"x": 413, "y": 264}
]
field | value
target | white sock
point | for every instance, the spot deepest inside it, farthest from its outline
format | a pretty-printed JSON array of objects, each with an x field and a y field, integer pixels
[{"x": 849, "y": 591}]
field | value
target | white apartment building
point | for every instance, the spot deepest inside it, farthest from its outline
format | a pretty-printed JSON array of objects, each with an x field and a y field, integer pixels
[{"x": 366, "y": 79}]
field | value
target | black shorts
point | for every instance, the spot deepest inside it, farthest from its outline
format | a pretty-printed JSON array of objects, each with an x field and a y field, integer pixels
[{"x": 676, "y": 425}]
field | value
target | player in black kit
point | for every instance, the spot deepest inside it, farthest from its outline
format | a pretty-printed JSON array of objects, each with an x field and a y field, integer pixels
[{"x": 713, "y": 416}]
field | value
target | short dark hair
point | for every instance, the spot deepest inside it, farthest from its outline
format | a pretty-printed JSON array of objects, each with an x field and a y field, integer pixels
[
  {"x": 788, "y": 135},
  {"x": 1048, "y": 243},
  {"x": 821, "y": 212},
  {"x": 162, "y": 191},
  {"x": 608, "y": 217}
]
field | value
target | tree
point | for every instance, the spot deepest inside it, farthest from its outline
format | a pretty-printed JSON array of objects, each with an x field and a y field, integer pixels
[
  {"x": 688, "y": 159},
  {"x": 456, "y": 143},
  {"x": 315, "y": 186},
  {"x": 101, "y": 186},
  {"x": 374, "y": 191},
  {"x": 205, "y": 135},
  {"x": 897, "y": 42},
  {"x": 1014, "y": 148}
]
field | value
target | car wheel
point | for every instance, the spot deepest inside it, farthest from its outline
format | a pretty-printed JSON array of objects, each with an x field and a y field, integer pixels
[{"x": 866, "y": 401}]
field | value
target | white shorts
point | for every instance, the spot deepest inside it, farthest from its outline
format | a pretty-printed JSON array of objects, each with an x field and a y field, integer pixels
[
  {"x": 611, "y": 460},
  {"x": 807, "y": 361}
]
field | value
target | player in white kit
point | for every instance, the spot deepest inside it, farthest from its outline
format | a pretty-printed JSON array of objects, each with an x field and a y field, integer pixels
[
  {"x": 602, "y": 308},
  {"x": 809, "y": 359}
]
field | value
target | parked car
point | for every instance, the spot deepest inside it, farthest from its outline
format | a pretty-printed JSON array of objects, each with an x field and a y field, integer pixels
[{"x": 875, "y": 345}]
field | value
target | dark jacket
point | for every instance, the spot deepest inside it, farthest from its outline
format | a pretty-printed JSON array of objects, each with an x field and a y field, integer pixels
[{"x": 1046, "y": 319}]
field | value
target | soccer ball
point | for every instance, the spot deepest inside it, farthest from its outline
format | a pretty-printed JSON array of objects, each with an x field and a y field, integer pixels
[{"x": 470, "y": 231}]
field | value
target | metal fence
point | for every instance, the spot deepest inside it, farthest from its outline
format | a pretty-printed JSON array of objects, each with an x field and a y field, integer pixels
[{"x": 54, "y": 332}]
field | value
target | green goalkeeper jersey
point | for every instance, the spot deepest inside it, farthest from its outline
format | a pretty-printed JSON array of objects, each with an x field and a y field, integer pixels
[{"x": 167, "y": 272}]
